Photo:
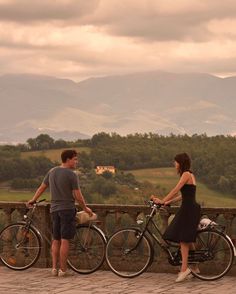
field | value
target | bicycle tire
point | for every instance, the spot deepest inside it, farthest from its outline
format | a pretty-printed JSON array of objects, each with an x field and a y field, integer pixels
[
  {"x": 218, "y": 255},
  {"x": 125, "y": 256},
  {"x": 87, "y": 249},
  {"x": 20, "y": 246}
]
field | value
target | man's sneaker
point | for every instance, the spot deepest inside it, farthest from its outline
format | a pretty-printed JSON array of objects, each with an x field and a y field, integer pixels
[
  {"x": 183, "y": 275},
  {"x": 61, "y": 273},
  {"x": 54, "y": 272}
]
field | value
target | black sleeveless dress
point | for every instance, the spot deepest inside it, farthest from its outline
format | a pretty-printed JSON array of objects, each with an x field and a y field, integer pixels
[{"x": 183, "y": 227}]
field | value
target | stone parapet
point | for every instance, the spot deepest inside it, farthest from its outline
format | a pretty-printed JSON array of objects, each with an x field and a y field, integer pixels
[{"x": 112, "y": 217}]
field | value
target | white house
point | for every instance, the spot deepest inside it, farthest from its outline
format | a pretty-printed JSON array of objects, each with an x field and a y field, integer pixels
[{"x": 100, "y": 169}]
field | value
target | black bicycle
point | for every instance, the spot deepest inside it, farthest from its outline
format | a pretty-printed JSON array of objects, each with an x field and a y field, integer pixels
[
  {"x": 21, "y": 243},
  {"x": 130, "y": 251}
]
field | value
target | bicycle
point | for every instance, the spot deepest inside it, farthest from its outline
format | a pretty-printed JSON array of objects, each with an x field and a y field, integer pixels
[
  {"x": 130, "y": 251},
  {"x": 21, "y": 243}
]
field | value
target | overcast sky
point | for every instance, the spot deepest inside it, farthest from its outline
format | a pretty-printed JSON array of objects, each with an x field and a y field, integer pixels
[{"x": 77, "y": 39}]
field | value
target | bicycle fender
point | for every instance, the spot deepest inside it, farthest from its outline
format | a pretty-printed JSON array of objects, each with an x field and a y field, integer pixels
[
  {"x": 102, "y": 233},
  {"x": 95, "y": 227},
  {"x": 231, "y": 244}
]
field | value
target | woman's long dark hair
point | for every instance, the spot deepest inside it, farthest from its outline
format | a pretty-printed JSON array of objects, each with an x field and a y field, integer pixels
[{"x": 184, "y": 162}]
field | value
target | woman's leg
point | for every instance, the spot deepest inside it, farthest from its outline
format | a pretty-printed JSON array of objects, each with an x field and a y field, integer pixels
[
  {"x": 185, "y": 271},
  {"x": 184, "y": 247},
  {"x": 194, "y": 267}
]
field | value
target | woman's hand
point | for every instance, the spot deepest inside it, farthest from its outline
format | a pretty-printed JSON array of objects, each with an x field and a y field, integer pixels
[
  {"x": 167, "y": 202},
  {"x": 156, "y": 200}
]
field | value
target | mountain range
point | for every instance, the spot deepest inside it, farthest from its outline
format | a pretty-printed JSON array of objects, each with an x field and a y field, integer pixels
[{"x": 158, "y": 102}]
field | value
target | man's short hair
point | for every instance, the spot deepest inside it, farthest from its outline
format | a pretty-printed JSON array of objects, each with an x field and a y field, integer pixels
[{"x": 68, "y": 154}]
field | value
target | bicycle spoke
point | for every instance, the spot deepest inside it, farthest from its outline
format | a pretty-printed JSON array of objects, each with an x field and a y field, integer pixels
[
  {"x": 126, "y": 254},
  {"x": 19, "y": 247},
  {"x": 87, "y": 250},
  {"x": 214, "y": 253}
]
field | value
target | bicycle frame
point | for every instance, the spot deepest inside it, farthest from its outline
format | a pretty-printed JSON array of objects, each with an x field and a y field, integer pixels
[
  {"x": 194, "y": 255},
  {"x": 146, "y": 229},
  {"x": 29, "y": 223},
  {"x": 212, "y": 254}
]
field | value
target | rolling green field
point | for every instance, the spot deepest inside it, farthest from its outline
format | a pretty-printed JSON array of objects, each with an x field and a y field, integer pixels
[
  {"x": 53, "y": 154},
  {"x": 164, "y": 177},
  {"x": 167, "y": 178},
  {"x": 24, "y": 196}
]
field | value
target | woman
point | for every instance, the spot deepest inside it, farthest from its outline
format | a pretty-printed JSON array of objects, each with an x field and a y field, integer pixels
[{"x": 183, "y": 228}]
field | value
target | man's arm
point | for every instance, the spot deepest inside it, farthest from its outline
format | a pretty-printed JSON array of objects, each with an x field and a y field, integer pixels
[
  {"x": 79, "y": 197},
  {"x": 37, "y": 194}
]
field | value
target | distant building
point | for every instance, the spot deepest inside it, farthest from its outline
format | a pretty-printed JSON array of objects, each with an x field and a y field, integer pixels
[{"x": 100, "y": 169}]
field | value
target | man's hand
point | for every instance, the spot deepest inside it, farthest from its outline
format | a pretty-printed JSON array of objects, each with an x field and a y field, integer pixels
[
  {"x": 30, "y": 203},
  {"x": 88, "y": 210}
]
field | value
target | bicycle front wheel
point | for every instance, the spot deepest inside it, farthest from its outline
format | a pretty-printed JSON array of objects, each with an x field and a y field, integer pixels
[
  {"x": 215, "y": 255},
  {"x": 19, "y": 246},
  {"x": 87, "y": 249},
  {"x": 127, "y": 253}
]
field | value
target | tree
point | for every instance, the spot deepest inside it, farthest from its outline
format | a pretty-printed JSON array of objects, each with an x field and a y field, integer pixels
[
  {"x": 85, "y": 161},
  {"x": 44, "y": 141},
  {"x": 107, "y": 174},
  {"x": 41, "y": 142},
  {"x": 32, "y": 144},
  {"x": 60, "y": 144}
]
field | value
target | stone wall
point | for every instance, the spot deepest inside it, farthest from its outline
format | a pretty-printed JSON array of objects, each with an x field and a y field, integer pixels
[{"x": 112, "y": 217}]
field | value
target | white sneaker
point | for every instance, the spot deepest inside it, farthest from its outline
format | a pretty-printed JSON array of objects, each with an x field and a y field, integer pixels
[
  {"x": 67, "y": 273},
  {"x": 61, "y": 273},
  {"x": 183, "y": 275},
  {"x": 54, "y": 272}
]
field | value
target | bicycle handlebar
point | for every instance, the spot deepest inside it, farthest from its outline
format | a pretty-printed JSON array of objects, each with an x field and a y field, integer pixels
[
  {"x": 40, "y": 201},
  {"x": 34, "y": 204},
  {"x": 151, "y": 203}
]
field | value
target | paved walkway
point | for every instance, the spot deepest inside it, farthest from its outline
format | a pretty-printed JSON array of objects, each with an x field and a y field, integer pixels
[{"x": 40, "y": 281}]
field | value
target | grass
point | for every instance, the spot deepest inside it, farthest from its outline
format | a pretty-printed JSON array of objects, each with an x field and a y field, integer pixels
[
  {"x": 52, "y": 154},
  {"x": 167, "y": 179},
  {"x": 24, "y": 196}
]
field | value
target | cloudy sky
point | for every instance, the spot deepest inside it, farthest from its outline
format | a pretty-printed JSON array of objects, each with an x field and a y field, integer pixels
[{"x": 78, "y": 39}]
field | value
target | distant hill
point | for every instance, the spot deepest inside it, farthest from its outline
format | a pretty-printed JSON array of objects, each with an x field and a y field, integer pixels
[{"x": 142, "y": 102}]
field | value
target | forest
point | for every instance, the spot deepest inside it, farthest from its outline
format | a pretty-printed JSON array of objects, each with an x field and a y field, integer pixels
[{"x": 213, "y": 158}]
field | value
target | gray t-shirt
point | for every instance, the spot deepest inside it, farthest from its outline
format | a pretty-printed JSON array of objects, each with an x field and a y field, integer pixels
[{"x": 61, "y": 181}]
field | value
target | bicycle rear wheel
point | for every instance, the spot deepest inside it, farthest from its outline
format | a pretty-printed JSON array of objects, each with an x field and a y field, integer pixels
[
  {"x": 87, "y": 249},
  {"x": 127, "y": 255},
  {"x": 19, "y": 246},
  {"x": 215, "y": 254}
]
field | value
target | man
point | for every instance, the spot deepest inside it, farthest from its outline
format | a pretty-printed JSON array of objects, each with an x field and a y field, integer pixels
[{"x": 64, "y": 189}]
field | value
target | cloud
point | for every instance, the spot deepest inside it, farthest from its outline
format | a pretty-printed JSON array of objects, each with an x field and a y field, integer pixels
[
  {"x": 162, "y": 20},
  {"x": 152, "y": 20},
  {"x": 44, "y": 10},
  {"x": 78, "y": 39}
]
